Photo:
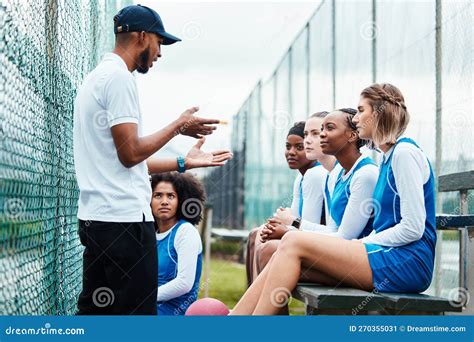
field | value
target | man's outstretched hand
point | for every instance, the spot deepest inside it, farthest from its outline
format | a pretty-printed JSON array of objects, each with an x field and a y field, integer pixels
[
  {"x": 194, "y": 126},
  {"x": 198, "y": 158}
]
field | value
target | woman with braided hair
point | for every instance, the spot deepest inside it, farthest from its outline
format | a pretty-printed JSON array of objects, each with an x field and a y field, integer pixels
[{"x": 399, "y": 255}]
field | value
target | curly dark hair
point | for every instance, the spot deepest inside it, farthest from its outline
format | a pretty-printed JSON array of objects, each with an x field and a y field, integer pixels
[{"x": 190, "y": 191}]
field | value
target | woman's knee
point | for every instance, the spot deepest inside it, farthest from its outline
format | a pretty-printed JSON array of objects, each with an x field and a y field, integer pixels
[
  {"x": 289, "y": 240},
  {"x": 254, "y": 235},
  {"x": 292, "y": 244},
  {"x": 266, "y": 251}
]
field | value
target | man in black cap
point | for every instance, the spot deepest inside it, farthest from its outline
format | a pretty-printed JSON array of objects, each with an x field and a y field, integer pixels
[{"x": 112, "y": 163}]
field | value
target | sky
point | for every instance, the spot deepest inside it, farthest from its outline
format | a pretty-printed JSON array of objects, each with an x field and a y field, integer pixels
[{"x": 226, "y": 48}]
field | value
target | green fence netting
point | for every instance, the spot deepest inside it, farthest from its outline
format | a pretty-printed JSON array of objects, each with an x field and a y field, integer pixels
[
  {"x": 423, "y": 47},
  {"x": 46, "y": 49}
]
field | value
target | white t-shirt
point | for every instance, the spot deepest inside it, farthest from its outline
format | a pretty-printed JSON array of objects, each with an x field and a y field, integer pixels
[
  {"x": 109, "y": 191},
  {"x": 313, "y": 192},
  {"x": 188, "y": 245}
]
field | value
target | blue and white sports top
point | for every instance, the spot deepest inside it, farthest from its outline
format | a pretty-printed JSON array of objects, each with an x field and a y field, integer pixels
[
  {"x": 350, "y": 201},
  {"x": 405, "y": 211},
  {"x": 339, "y": 200}
]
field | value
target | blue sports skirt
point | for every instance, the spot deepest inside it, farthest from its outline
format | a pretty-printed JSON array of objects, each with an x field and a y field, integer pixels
[{"x": 406, "y": 268}]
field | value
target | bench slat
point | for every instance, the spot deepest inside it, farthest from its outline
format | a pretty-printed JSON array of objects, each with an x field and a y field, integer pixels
[
  {"x": 325, "y": 297},
  {"x": 229, "y": 234},
  {"x": 418, "y": 302},
  {"x": 454, "y": 221},
  {"x": 456, "y": 182},
  {"x": 341, "y": 298}
]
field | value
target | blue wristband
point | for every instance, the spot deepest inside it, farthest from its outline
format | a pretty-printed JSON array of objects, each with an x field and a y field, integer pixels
[{"x": 181, "y": 167}]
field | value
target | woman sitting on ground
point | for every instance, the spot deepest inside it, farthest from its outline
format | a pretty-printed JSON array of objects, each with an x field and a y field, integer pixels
[{"x": 177, "y": 203}]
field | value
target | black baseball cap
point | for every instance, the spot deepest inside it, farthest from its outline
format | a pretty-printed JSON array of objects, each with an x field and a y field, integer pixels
[{"x": 137, "y": 18}]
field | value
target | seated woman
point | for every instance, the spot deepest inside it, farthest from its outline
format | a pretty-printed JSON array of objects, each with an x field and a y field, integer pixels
[
  {"x": 308, "y": 189},
  {"x": 314, "y": 179},
  {"x": 399, "y": 255},
  {"x": 177, "y": 203},
  {"x": 348, "y": 187}
]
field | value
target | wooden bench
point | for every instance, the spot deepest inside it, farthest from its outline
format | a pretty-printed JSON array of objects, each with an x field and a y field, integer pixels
[
  {"x": 324, "y": 300},
  {"x": 229, "y": 234},
  {"x": 233, "y": 235}
]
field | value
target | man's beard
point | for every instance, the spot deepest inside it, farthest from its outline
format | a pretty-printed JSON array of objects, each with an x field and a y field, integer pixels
[{"x": 143, "y": 59}]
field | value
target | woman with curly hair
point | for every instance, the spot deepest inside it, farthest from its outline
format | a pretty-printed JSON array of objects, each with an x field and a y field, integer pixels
[{"x": 177, "y": 203}]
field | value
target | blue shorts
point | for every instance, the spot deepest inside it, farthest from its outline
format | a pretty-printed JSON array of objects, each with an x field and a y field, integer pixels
[{"x": 406, "y": 268}]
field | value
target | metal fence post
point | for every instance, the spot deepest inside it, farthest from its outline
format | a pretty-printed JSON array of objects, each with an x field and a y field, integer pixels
[
  {"x": 308, "y": 66},
  {"x": 439, "y": 84},
  {"x": 438, "y": 135},
  {"x": 333, "y": 51},
  {"x": 374, "y": 41},
  {"x": 207, "y": 256}
]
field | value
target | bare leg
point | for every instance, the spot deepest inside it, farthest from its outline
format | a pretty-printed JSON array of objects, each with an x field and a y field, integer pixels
[
  {"x": 258, "y": 243},
  {"x": 340, "y": 259},
  {"x": 251, "y": 254},
  {"x": 249, "y": 300},
  {"x": 247, "y": 303},
  {"x": 264, "y": 253},
  {"x": 310, "y": 275}
]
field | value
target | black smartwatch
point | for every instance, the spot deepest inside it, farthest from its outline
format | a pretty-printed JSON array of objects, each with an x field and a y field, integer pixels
[{"x": 296, "y": 223}]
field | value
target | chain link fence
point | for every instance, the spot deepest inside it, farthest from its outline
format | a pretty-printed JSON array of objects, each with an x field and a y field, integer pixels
[{"x": 46, "y": 49}]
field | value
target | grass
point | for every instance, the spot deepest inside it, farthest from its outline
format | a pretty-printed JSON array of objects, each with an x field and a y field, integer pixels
[{"x": 228, "y": 282}]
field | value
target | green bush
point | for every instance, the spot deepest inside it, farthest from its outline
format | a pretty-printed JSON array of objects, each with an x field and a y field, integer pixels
[{"x": 226, "y": 247}]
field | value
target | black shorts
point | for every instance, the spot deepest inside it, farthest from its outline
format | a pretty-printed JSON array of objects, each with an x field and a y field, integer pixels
[{"x": 120, "y": 268}]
